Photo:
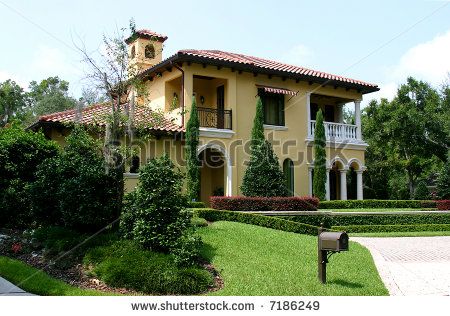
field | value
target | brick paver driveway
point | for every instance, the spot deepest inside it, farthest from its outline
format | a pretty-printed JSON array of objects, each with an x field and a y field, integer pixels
[{"x": 412, "y": 265}]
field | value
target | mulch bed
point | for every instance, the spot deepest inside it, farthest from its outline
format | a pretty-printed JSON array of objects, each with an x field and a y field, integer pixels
[{"x": 77, "y": 274}]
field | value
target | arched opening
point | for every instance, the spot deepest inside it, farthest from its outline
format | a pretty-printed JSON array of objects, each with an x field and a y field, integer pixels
[
  {"x": 352, "y": 179},
  {"x": 149, "y": 51},
  {"x": 212, "y": 174},
  {"x": 336, "y": 180},
  {"x": 288, "y": 170}
]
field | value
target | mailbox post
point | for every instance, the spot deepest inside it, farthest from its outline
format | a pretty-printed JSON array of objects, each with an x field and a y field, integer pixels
[{"x": 329, "y": 242}]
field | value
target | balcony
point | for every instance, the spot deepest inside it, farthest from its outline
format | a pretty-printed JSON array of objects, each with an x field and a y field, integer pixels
[
  {"x": 215, "y": 118},
  {"x": 336, "y": 131}
]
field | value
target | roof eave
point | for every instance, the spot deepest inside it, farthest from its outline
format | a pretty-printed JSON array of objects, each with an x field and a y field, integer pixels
[{"x": 181, "y": 57}]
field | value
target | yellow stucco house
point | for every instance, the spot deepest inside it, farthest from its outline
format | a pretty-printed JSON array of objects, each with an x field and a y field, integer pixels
[{"x": 225, "y": 86}]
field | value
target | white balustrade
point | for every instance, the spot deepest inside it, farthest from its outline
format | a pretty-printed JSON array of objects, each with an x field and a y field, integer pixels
[{"x": 336, "y": 131}]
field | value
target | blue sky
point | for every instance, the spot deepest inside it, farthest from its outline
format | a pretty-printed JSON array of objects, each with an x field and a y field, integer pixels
[{"x": 376, "y": 41}]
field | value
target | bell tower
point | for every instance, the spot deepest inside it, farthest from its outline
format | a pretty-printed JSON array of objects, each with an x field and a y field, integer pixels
[{"x": 145, "y": 49}]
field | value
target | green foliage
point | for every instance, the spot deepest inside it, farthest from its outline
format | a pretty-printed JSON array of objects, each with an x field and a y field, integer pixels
[
  {"x": 421, "y": 192},
  {"x": 155, "y": 213},
  {"x": 443, "y": 181},
  {"x": 74, "y": 190},
  {"x": 195, "y": 204},
  {"x": 126, "y": 264},
  {"x": 320, "y": 159},
  {"x": 49, "y": 96},
  {"x": 20, "y": 153},
  {"x": 13, "y": 101},
  {"x": 371, "y": 219},
  {"x": 199, "y": 222},
  {"x": 407, "y": 138},
  {"x": 256, "y": 219},
  {"x": 340, "y": 204},
  {"x": 393, "y": 228},
  {"x": 193, "y": 163},
  {"x": 263, "y": 176}
]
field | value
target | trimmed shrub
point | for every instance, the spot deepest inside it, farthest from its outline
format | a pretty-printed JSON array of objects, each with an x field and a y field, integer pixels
[
  {"x": 192, "y": 161},
  {"x": 443, "y": 180},
  {"x": 199, "y": 222},
  {"x": 421, "y": 192},
  {"x": 371, "y": 219},
  {"x": 377, "y": 204},
  {"x": 256, "y": 219},
  {"x": 196, "y": 205},
  {"x": 263, "y": 204},
  {"x": 320, "y": 158},
  {"x": 392, "y": 228},
  {"x": 155, "y": 214},
  {"x": 443, "y": 205},
  {"x": 20, "y": 153},
  {"x": 126, "y": 264},
  {"x": 73, "y": 189},
  {"x": 263, "y": 175}
]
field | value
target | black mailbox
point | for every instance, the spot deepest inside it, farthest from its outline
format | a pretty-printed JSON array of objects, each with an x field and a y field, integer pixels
[{"x": 333, "y": 241}]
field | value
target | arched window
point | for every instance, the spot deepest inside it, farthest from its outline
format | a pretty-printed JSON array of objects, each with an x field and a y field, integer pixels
[
  {"x": 149, "y": 51},
  {"x": 288, "y": 170},
  {"x": 133, "y": 52}
]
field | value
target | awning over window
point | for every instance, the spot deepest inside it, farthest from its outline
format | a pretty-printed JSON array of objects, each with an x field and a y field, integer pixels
[{"x": 277, "y": 90}]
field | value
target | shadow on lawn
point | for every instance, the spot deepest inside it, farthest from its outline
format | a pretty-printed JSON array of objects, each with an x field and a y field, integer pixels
[
  {"x": 208, "y": 252},
  {"x": 345, "y": 283}
]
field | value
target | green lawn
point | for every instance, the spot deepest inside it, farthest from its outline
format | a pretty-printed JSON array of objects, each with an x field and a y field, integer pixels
[
  {"x": 350, "y": 210},
  {"x": 38, "y": 282},
  {"x": 260, "y": 261},
  {"x": 401, "y": 234}
]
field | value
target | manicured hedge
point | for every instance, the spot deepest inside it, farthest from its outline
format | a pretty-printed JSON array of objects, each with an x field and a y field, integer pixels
[
  {"x": 392, "y": 228},
  {"x": 256, "y": 219},
  {"x": 377, "y": 204},
  {"x": 263, "y": 204},
  {"x": 443, "y": 205},
  {"x": 371, "y": 220},
  {"x": 196, "y": 205}
]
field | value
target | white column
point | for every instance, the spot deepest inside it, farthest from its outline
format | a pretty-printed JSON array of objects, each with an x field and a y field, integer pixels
[
  {"x": 358, "y": 119},
  {"x": 343, "y": 185},
  {"x": 310, "y": 181},
  {"x": 359, "y": 185},
  {"x": 308, "y": 112},
  {"x": 327, "y": 185}
]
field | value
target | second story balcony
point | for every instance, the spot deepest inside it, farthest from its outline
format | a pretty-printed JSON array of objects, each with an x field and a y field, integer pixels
[
  {"x": 215, "y": 118},
  {"x": 336, "y": 131}
]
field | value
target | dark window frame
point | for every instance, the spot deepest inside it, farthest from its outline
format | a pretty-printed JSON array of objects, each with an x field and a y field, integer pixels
[
  {"x": 149, "y": 51},
  {"x": 277, "y": 103}
]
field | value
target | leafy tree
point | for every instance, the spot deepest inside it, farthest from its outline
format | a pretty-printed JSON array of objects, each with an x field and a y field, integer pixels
[
  {"x": 320, "y": 158},
  {"x": 421, "y": 192},
  {"x": 73, "y": 189},
  {"x": 443, "y": 181},
  {"x": 13, "y": 101},
  {"x": 155, "y": 213},
  {"x": 192, "y": 140},
  {"x": 49, "y": 96},
  {"x": 405, "y": 135},
  {"x": 263, "y": 176},
  {"x": 20, "y": 154}
]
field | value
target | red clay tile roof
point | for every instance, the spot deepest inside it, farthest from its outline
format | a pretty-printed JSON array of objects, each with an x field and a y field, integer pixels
[
  {"x": 268, "y": 64},
  {"x": 97, "y": 115},
  {"x": 260, "y": 65},
  {"x": 147, "y": 34}
]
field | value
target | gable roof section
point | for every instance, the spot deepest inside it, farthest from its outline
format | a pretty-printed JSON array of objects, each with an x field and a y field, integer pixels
[
  {"x": 260, "y": 65},
  {"x": 98, "y": 113}
]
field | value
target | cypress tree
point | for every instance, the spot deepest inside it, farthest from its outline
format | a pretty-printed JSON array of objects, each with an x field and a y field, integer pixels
[
  {"x": 192, "y": 161},
  {"x": 320, "y": 158},
  {"x": 263, "y": 176},
  {"x": 443, "y": 181},
  {"x": 421, "y": 192}
]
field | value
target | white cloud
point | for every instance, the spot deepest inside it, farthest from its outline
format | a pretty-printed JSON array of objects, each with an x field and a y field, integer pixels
[
  {"x": 5, "y": 75},
  {"x": 428, "y": 61},
  {"x": 300, "y": 55}
]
